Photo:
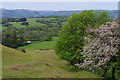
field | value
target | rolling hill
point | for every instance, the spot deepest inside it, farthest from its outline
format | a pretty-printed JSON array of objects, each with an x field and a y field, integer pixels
[
  {"x": 41, "y": 45},
  {"x": 19, "y": 13},
  {"x": 38, "y": 64}
]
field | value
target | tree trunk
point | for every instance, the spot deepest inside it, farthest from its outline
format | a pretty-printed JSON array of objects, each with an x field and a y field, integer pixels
[{"x": 113, "y": 73}]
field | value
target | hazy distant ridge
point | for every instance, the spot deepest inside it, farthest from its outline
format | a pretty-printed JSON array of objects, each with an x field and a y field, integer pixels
[{"x": 18, "y": 13}]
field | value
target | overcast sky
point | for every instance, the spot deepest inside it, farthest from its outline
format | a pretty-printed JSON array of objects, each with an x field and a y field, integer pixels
[{"x": 61, "y": 5}]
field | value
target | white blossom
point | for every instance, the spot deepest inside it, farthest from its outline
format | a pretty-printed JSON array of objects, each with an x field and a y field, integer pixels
[{"x": 99, "y": 51}]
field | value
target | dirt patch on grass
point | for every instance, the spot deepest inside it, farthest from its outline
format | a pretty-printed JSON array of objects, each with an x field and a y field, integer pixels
[
  {"x": 14, "y": 68},
  {"x": 19, "y": 67},
  {"x": 48, "y": 65}
]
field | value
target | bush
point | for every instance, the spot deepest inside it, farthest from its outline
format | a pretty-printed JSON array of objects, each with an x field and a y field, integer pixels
[
  {"x": 48, "y": 37},
  {"x": 25, "y": 23}
]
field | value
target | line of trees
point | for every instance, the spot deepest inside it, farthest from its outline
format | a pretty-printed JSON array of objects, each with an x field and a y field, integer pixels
[{"x": 13, "y": 20}]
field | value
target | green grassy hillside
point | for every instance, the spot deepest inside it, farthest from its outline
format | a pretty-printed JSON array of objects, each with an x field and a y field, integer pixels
[
  {"x": 38, "y": 64},
  {"x": 41, "y": 45},
  {"x": 0, "y": 61},
  {"x": 31, "y": 21}
]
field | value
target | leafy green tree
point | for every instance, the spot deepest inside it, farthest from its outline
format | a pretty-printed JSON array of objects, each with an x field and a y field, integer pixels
[
  {"x": 71, "y": 39},
  {"x": 9, "y": 37},
  {"x": 12, "y": 38}
]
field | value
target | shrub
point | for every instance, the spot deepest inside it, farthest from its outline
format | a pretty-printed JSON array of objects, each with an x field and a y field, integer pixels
[
  {"x": 25, "y": 23},
  {"x": 48, "y": 37}
]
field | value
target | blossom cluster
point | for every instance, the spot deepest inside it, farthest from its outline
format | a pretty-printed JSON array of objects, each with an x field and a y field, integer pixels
[{"x": 99, "y": 50}]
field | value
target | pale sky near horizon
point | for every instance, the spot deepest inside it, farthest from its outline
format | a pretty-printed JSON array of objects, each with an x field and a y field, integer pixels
[
  {"x": 61, "y": 5},
  {"x": 60, "y": 0}
]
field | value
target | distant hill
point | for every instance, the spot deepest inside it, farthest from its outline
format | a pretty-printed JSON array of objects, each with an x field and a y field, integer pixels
[{"x": 18, "y": 13}]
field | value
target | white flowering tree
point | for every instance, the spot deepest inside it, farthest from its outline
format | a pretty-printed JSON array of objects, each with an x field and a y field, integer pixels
[{"x": 102, "y": 48}]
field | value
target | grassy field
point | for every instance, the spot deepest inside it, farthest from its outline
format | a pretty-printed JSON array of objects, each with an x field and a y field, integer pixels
[
  {"x": 31, "y": 21},
  {"x": 41, "y": 45},
  {"x": 38, "y": 64},
  {"x": 0, "y": 61},
  {"x": 17, "y": 24}
]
